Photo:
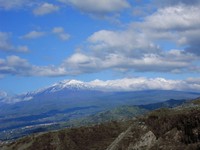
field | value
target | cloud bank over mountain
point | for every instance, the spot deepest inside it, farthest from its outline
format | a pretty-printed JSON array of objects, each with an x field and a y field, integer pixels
[{"x": 74, "y": 38}]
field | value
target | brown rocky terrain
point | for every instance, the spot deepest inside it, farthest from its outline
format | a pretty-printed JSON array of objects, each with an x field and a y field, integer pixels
[{"x": 163, "y": 129}]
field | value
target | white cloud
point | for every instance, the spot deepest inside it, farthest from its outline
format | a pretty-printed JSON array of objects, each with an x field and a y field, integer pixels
[
  {"x": 64, "y": 36},
  {"x": 176, "y": 2},
  {"x": 14, "y": 65},
  {"x": 174, "y": 18},
  {"x": 23, "y": 49},
  {"x": 173, "y": 62},
  {"x": 135, "y": 84},
  {"x": 6, "y": 44},
  {"x": 178, "y": 24},
  {"x": 79, "y": 63},
  {"x": 3, "y": 94},
  {"x": 33, "y": 35},
  {"x": 98, "y": 6},
  {"x": 48, "y": 71},
  {"x": 57, "y": 30},
  {"x": 139, "y": 47},
  {"x": 13, "y": 4},
  {"x": 125, "y": 42},
  {"x": 136, "y": 48},
  {"x": 136, "y": 51},
  {"x": 45, "y": 8},
  {"x": 5, "y": 41},
  {"x": 16, "y": 61},
  {"x": 60, "y": 32},
  {"x": 193, "y": 80},
  {"x": 142, "y": 83},
  {"x": 79, "y": 58}
]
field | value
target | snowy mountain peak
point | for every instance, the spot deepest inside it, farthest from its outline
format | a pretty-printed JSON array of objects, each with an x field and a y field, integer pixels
[
  {"x": 125, "y": 84},
  {"x": 72, "y": 82},
  {"x": 69, "y": 84}
]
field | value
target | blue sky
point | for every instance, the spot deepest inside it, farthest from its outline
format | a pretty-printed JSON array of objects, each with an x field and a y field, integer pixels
[{"x": 42, "y": 42}]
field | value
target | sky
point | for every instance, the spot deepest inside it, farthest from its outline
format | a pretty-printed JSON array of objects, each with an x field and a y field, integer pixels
[{"x": 46, "y": 41}]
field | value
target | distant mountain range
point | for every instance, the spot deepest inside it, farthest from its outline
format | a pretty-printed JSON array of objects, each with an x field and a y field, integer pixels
[
  {"x": 65, "y": 88},
  {"x": 70, "y": 94},
  {"x": 71, "y": 99}
]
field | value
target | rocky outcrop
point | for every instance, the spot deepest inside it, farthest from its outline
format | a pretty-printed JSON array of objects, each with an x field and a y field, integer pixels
[
  {"x": 136, "y": 137},
  {"x": 145, "y": 142},
  {"x": 115, "y": 144}
]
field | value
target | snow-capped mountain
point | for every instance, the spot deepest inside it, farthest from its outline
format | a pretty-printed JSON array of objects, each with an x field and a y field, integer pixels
[
  {"x": 66, "y": 84},
  {"x": 67, "y": 88},
  {"x": 70, "y": 99},
  {"x": 63, "y": 86}
]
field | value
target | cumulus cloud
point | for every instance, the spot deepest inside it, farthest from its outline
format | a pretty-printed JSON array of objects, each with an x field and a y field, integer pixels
[
  {"x": 14, "y": 65},
  {"x": 45, "y": 8},
  {"x": 178, "y": 24},
  {"x": 136, "y": 48},
  {"x": 13, "y": 4},
  {"x": 174, "y": 18},
  {"x": 173, "y": 61},
  {"x": 6, "y": 44},
  {"x": 136, "y": 84},
  {"x": 143, "y": 83},
  {"x": 98, "y": 7},
  {"x": 23, "y": 49},
  {"x": 125, "y": 42},
  {"x": 5, "y": 41},
  {"x": 3, "y": 94},
  {"x": 33, "y": 35},
  {"x": 80, "y": 63},
  {"x": 139, "y": 47},
  {"x": 60, "y": 32},
  {"x": 167, "y": 3}
]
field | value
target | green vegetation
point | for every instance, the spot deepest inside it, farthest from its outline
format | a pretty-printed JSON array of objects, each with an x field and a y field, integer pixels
[
  {"x": 166, "y": 128},
  {"x": 96, "y": 137},
  {"x": 55, "y": 120}
]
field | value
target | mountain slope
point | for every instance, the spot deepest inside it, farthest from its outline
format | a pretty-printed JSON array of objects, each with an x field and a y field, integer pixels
[
  {"x": 125, "y": 112},
  {"x": 176, "y": 128},
  {"x": 164, "y": 129},
  {"x": 22, "y": 126},
  {"x": 84, "y": 138},
  {"x": 71, "y": 99}
]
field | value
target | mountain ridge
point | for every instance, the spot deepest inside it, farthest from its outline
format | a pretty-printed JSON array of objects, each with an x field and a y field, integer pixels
[
  {"x": 176, "y": 128},
  {"x": 120, "y": 85},
  {"x": 119, "y": 113}
]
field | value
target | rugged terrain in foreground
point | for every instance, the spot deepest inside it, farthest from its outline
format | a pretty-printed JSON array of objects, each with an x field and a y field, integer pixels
[{"x": 175, "y": 129}]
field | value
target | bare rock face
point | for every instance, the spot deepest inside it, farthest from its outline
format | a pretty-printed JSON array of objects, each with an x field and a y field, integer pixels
[
  {"x": 116, "y": 143},
  {"x": 136, "y": 137},
  {"x": 146, "y": 142}
]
